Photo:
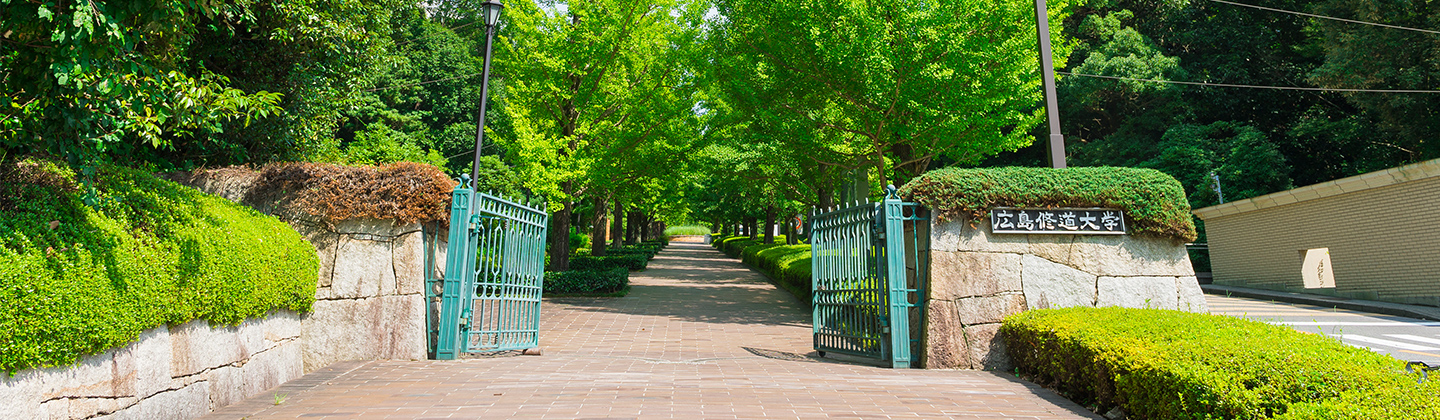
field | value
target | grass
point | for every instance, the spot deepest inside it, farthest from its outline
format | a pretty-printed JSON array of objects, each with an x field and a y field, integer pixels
[{"x": 689, "y": 230}]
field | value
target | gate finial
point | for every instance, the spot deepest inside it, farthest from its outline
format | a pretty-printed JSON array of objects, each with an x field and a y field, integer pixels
[{"x": 892, "y": 193}]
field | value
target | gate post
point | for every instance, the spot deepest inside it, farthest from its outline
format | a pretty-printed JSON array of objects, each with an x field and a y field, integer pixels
[
  {"x": 459, "y": 263},
  {"x": 896, "y": 284}
]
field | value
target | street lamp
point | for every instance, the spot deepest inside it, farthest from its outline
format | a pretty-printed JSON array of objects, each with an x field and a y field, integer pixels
[
  {"x": 491, "y": 10},
  {"x": 1055, "y": 148}
]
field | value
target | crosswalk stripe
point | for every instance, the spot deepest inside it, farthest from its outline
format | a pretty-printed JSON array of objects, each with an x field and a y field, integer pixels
[
  {"x": 1383, "y": 342},
  {"x": 1414, "y": 338}
]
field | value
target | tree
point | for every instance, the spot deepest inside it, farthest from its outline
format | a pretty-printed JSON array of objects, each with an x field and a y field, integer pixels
[
  {"x": 581, "y": 82},
  {"x": 904, "y": 82},
  {"x": 1370, "y": 57}
]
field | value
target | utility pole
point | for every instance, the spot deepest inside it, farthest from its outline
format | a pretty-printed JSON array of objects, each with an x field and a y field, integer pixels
[{"x": 1055, "y": 148}]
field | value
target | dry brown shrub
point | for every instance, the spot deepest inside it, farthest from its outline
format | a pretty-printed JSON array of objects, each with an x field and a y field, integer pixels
[{"x": 406, "y": 192}]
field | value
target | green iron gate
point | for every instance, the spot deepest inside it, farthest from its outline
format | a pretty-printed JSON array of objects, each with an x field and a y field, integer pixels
[
  {"x": 870, "y": 263},
  {"x": 490, "y": 296}
]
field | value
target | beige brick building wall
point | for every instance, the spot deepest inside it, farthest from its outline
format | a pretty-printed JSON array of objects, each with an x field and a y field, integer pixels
[{"x": 1382, "y": 230}]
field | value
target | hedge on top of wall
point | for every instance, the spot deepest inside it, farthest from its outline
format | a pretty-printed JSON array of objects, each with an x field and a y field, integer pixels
[
  {"x": 1154, "y": 203},
  {"x": 77, "y": 279}
]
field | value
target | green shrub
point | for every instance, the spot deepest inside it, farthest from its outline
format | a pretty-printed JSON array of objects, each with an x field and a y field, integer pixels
[
  {"x": 1154, "y": 203},
  {"x": 579, "y": 240},
  {"x": 686, "y": 230},
  {"x": 649, "y": 253},
  {"x": 1171, "y": 364},
  {"x": 734, "y": 245},
  {"x": 629, "y": 262},
  {"x": 587, "y": 282},
  {"x": 77, "y": 280}
]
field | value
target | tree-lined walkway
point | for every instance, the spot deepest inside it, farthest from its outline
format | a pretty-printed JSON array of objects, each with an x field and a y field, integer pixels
[{"x": 700, "y": 336}]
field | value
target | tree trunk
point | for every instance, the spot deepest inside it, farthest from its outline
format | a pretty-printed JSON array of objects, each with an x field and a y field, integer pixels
[
  {"x": 632, "y": 227},
  {"x": 617, "y": 232},
  {"x": 751, "y": 226},
  {"x": 599, "y": 226},
  {"x": 560, "y": 239},
  {"x": 792, "y": 230},
  {"x": 647, "y": 226},
  {"x": 827, "y": 199},
  {"x": 770, "y": 224}
]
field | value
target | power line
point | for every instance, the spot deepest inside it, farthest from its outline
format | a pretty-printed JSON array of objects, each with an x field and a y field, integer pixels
[
  {"x": 1326, "y": 17},
  {"x": 1249, "y": 86}
]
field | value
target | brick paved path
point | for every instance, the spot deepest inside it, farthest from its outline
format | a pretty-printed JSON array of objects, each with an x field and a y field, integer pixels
[{"x": 700, "y": 336}]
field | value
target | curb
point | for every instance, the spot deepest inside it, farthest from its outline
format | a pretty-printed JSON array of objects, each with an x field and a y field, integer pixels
[{"x": 1386, "y": 308}]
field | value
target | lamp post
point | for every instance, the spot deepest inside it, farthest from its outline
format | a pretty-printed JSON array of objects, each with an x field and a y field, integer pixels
[
  {"x": 491, "y": 10},
  {"x": 1055, "y": 148}
]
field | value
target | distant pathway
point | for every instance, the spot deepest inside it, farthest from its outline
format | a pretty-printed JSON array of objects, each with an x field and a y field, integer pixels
[{"x": 699, "y": 337}]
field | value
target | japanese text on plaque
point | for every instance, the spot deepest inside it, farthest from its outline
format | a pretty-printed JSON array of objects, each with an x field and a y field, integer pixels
[{"x": 1057, "y": 221}]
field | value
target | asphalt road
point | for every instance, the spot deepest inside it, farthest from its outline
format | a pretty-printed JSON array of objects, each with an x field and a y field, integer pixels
[{"x": 1400, "y": 337}]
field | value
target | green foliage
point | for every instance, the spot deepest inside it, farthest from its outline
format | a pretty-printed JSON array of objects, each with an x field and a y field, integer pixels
[
  {"x": 606, "y": 282},
  {"x": 892, "y": 84},
  {"x": 1247, "y": 163},
  {"x": 1154, "y": 202},
  {"x": 686, "y": 230},
  {"x": 378, "y": 145},
  {"x": 630, "y": 262},
  {"x": 578, "y": 240},
  {"x": 1371, "y": 57},
  {"x": 180, "y": 84},
  {"x": 648, "y": 251},
  {"x": 1171, "y": 364},
  {"x": 76, "y": 280}
]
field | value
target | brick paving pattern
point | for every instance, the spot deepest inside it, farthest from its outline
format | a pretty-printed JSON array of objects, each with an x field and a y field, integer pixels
[{"x": 699, "y": 337}]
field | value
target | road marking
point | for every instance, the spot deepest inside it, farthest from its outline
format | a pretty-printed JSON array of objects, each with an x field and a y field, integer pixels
[
  {"x": 1295, "y": 313},
  {"x": 1383, "y": 342},
  {"x": 1358, "y": 324},
  {"x": 1414, "y": 338},
  {"x": 1421, "y": 353}
]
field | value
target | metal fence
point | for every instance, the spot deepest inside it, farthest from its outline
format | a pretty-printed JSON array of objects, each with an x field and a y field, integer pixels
[
  {"x": 490, "y": 295},
  {"x": 870, "y": 263}
]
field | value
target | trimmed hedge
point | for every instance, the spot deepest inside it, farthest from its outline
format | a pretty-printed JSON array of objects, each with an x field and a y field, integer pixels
[
  {"x": 734, "y": 245},
  {"x": 1179, "y": 365},
  {"x": 77, "y": 280},
  {"x": 629, "y": 262},
  {"x": 1154, "y": 203},
  {"x": 612, "y": 282}
]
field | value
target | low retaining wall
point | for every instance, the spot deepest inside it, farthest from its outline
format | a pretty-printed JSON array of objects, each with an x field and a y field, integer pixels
[
  {"x": 978, "y": 278},
  {"x": 169, "y": 372},
  {"x": 370, "y": 304}
]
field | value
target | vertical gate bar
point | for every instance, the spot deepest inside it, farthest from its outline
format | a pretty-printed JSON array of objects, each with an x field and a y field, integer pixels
[
  {"x": 451, "y": 299},
  {"x": 897, "y": 285},
  {"x": 817, "y": 240}
]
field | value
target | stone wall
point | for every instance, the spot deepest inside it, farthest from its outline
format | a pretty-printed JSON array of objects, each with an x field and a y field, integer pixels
[
  {"x": 977, "y": 278},
  {"x": 169, "y": 372},
  {"x": 370, "y": 303}
]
